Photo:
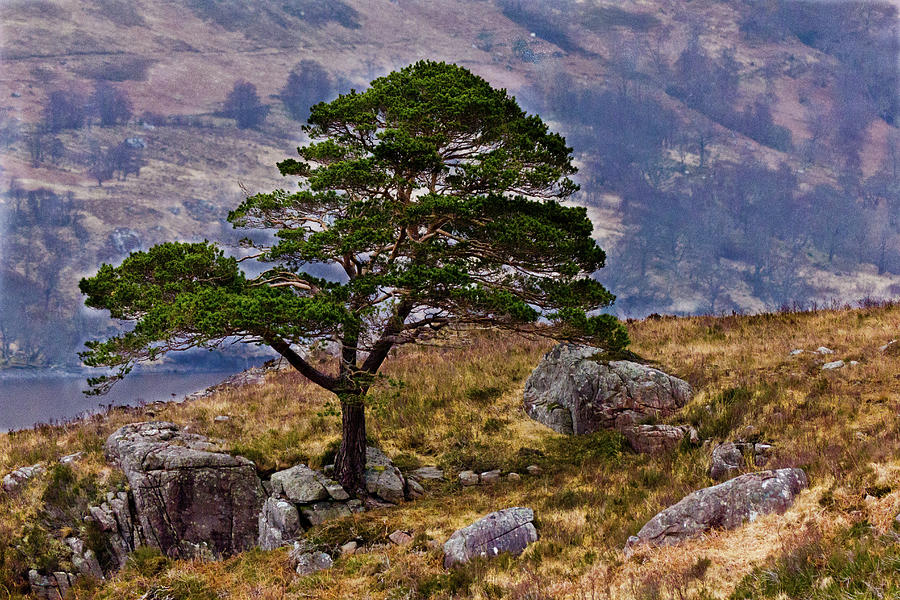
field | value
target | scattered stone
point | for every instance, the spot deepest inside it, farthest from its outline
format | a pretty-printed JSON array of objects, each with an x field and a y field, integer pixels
[
  {"x": 796, "y": 352},
  {"x": 189, "y": 499},
  {"x": 830, "y": 366},
  {"x": 349, "y": 548},
  {"x": 319, "y": 512},
  {"x": 571, "y": 392},
  {"x": 70, "y": 459},
  {"x": 221, "y": 419},
  {"x": 514, "y": 477},
  {"x": 279, "y": 524},
  {"x": 468, "y": 478},
  {"x": 490, "y": 477},
  {"x": 730, "y": 458},
  {"x": 382, "y": 478},
  {"x": 414, "y": 489},
  {"x": 400, "y": 538},
  {"x": 508, "y": 530},
  {"x": 533, "y": 470},
  {"x": 306, "y": 562},
  {"x": 824, "y": 350},
  {"x": 890, "y": 346},
  {"x": 428, "y": 473},
  {"x": 726, "y": 505},
  {"x": 14, "y": 481},
  {"x": 658, "y": 439}
]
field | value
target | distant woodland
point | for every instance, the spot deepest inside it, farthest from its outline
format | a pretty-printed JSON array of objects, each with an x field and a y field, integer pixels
[{"x": 736, "y": 156}]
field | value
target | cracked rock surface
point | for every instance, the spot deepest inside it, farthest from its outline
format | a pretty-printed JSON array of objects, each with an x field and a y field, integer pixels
[
  {"x": 724, "y": 506},
  {"x": 573, "y": 393},
  {"x": 508, "y": 530},
  {"x": 189, "y": 498}
]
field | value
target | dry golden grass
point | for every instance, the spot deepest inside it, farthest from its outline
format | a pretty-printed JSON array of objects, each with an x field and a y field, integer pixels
[{"x": 459, "y": 405}]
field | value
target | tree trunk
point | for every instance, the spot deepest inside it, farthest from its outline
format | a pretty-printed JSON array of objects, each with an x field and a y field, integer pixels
[{"x": 350, "y": 461}]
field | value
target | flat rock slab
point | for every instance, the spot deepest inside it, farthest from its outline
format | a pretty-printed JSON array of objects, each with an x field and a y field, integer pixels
[
  {"x": 508, "y": 530},
  {"x": 189, "y": 498},
  {"x": 302, "y": 485},
  {"x": 658, "y": 439},
  {"x": 723, "y": 506},
  {"x": 571, "y": 392}
]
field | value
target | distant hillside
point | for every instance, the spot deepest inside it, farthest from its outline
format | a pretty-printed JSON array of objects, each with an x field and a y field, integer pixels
[{"x": 735, "y": 155}]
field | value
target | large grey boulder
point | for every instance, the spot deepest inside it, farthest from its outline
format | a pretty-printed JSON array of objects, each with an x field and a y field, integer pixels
[
  {"x": 508, "y": 530},
  {"x": 189, "y": 498},
  {"x": 723, "y": 506},
  {"x": 731, "y": 458},
  {"x": 382, "y": 478},
  {"x": 572, "y": 392}
]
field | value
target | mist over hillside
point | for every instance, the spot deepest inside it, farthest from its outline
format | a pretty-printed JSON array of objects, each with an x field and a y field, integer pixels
[{"x": 733, "y": 155}]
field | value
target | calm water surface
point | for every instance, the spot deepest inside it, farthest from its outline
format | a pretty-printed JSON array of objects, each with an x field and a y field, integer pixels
[{"x": 25, "y": 402}]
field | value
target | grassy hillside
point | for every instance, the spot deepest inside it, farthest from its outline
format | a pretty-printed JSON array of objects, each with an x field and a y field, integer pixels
[
  {"x": 733, "y": 157},
  {"x": 458, "y": 405}
]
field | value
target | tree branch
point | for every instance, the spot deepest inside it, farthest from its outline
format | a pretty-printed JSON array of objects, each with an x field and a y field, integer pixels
[{"x": 328, "y": 382}]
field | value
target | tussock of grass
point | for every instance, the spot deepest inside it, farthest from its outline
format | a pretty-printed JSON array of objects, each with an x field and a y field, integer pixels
[{"x": 459, "y": 406}]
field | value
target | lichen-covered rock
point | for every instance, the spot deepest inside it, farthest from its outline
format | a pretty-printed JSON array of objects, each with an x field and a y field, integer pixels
[
  {"x": 306, "y": 561},
  {"x": 382, "y": 478},
  {"x": 279, "y": 524},
  {"x": 508, "y": 530},
  {"x": 189, "y": 498},
  {"x": 658, "y": 439},
  {"x": 573, "y": 393},
  {"x": 299, "y": 484},
  {"x": 13, "y": 481},
  {"x": 723, "y": 506},
  {"x": 731, "y": 458}
]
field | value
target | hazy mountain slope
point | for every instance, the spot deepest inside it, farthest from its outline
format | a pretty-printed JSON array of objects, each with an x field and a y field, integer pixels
[{"x": 667, "y": 160}]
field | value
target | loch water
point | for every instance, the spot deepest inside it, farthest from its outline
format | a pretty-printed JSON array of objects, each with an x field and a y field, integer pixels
[{"x": 29, "y": 400}]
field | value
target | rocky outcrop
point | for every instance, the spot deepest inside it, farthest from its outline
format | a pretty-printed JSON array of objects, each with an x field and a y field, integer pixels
[
  {"x": 723, "y": 506},
  {"x": 731, "y": 458},
  {"x": 658, "y": 439},
  {"x": 116, "y": 520},
  {"x": 508, "y": 530},
  {"x": 50, "y": 587},
  {"x": 572, "y": 392},
  {"x": 189, "y": 498}
]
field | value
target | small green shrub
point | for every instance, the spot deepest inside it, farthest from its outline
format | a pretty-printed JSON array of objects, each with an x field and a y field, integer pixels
[{"x": 147, "y": 561}]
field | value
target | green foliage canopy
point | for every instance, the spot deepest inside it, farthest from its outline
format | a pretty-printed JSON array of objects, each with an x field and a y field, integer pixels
[{"x": 436, "y": 197}]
